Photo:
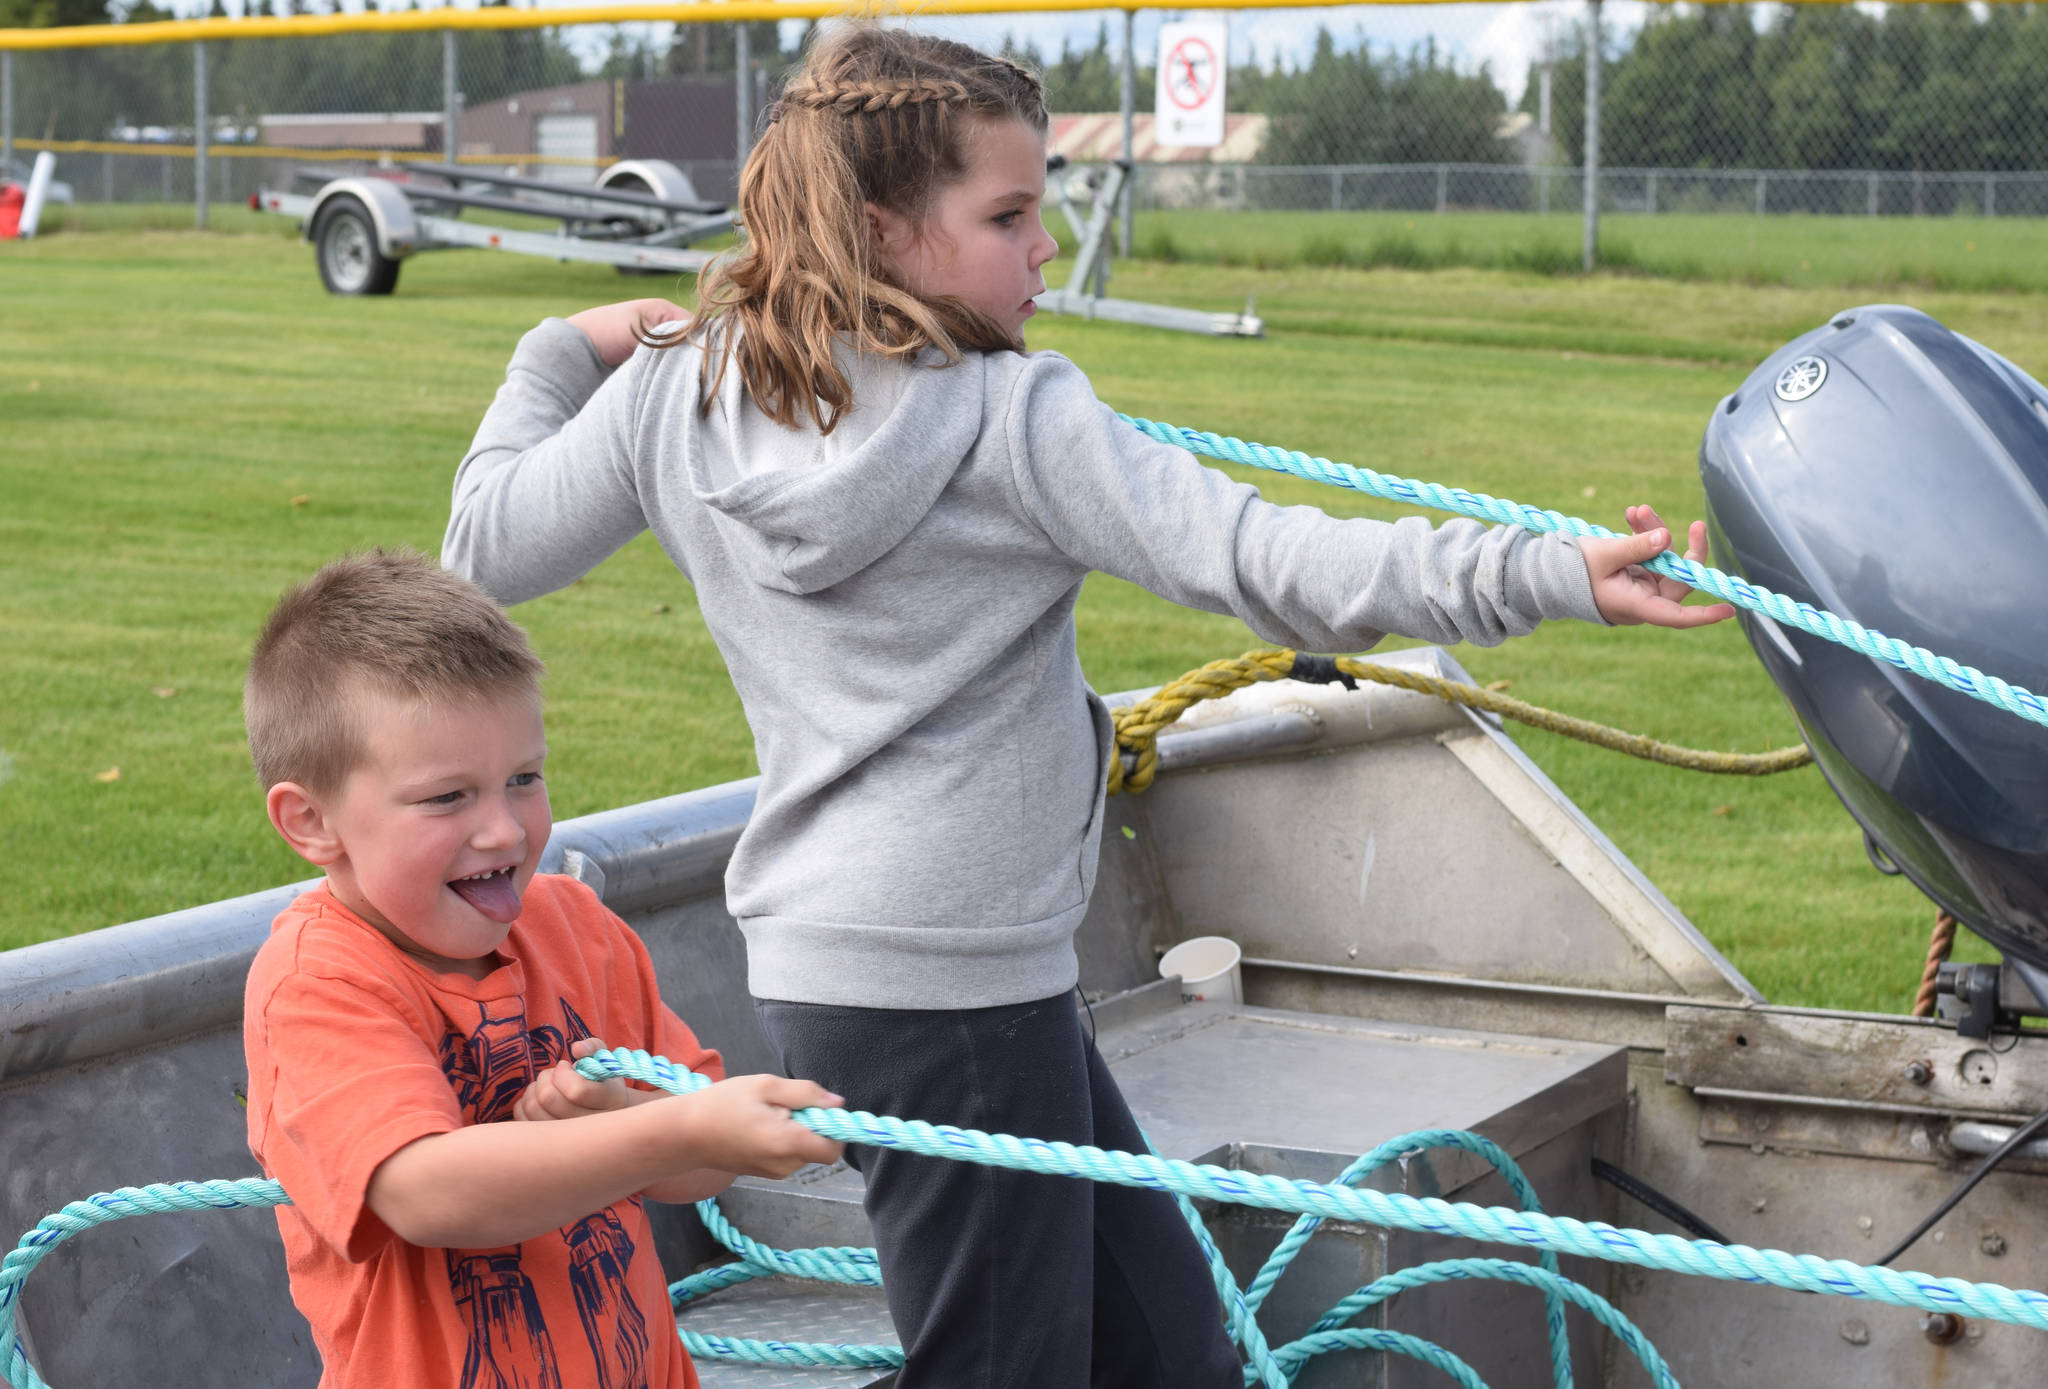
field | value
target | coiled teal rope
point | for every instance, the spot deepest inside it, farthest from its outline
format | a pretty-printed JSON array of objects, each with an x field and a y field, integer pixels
[
  {"x": 1807, "y": 618},
  {"x": 1496, "y": 1225},
  {"x": 1393, "y": 1151}
]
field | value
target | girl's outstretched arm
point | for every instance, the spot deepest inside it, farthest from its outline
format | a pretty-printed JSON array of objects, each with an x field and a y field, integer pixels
[
  {"x": 547, "y": 490},
  {"x": 1114, "y": 500}
]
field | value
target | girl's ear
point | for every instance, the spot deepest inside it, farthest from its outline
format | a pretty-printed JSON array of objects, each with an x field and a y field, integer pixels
[
  {"x": 890, "y": 229},
  {"x": 300, "y": 819}
]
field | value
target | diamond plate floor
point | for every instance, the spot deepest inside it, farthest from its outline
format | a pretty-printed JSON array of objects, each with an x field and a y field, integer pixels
[{"x": 777, "y": 1309}]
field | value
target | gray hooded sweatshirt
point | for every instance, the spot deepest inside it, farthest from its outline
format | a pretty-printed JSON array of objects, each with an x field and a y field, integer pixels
[{"x": 895, "y": 604}]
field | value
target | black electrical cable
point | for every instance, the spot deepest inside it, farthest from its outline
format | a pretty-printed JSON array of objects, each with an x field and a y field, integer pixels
[
  {"x": 1657, "y": 1201},
  {"x": 1999, "y": 1154},
  {"x": 1680, "y": 1216}
]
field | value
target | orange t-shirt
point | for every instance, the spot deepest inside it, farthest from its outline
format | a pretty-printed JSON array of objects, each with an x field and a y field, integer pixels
[{"x": 355, "y": 1050}]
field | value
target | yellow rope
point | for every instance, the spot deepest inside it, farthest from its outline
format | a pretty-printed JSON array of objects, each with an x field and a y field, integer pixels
[{"x": 1138, "y": 726}]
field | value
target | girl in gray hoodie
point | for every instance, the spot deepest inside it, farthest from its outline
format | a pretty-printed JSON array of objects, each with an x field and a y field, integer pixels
[{"x": 887, "y": 509}]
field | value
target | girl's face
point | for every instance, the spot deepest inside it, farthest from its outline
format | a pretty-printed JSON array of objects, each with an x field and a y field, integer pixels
[{"x": 983, "y": 240}]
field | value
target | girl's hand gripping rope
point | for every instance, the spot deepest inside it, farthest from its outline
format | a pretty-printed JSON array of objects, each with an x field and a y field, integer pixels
[{"x": 1628, "y": 594}]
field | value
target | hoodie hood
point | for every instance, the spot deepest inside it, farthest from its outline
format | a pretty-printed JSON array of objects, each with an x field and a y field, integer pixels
[{"x": 803, "y": 510}]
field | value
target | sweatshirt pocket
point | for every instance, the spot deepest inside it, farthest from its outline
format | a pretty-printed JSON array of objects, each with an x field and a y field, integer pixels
[{"x": 1105, "y": 748}]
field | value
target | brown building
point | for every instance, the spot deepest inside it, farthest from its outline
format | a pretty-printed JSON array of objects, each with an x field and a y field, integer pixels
[
  {"x": 569, "y": 132},
  {"x": 401, "y": 132},
  {"x": 564, "y": 133}
]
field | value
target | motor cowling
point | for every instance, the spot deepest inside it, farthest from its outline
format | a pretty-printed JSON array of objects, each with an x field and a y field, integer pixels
[{"x": 1896, "y": 473}]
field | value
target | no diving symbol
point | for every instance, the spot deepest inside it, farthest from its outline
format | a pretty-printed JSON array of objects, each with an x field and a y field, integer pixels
[{"x": 1190, "y": 73}]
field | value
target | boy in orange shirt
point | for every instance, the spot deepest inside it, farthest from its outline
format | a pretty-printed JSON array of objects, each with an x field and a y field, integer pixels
[{"x": 411, "y": 1022}]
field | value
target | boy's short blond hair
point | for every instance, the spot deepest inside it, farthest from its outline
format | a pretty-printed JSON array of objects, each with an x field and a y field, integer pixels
[{"x": 382, "y": 622}]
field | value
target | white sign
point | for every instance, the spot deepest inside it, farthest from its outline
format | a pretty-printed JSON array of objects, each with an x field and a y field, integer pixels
[{"x": 1189, "y": 105}]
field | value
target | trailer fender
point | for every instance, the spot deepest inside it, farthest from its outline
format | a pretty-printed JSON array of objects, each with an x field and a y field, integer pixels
[
  {"x": 655, "y": 176},
  {"x": 398, "y": 233}
]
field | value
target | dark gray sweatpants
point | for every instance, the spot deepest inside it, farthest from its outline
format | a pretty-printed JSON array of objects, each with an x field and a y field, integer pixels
[{"x": 1011, "y": 1280}]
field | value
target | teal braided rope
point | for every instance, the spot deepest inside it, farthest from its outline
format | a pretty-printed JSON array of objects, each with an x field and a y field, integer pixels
[
  {"x": 699, "y": 1344},
  {"x": 1526, "y": 1228},
  {"x": 757, "y": 1259},
  {"x": 1400, "y": 1343},
  {"x": 1244, "y": 1326},
  {"x": 1490, "y": 1224},
  {"x": 78, "y": 1216},
  {"x": 1393, "y": 1151},
  {"x": 711, "y": 1280},
  {"x": 1807, "y": 618},
  {"x": 1330, "y": 1333},
  {"x": 843, "y": 1264}
]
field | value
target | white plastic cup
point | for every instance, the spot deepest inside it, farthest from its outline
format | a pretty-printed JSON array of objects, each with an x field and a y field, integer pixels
[{"x": 1208, "y": 969}]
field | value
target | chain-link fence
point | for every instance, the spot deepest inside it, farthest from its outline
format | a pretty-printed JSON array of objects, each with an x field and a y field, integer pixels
[
  {"x": 127, "y": 123},
  {"x": 1864, "y": 110}
]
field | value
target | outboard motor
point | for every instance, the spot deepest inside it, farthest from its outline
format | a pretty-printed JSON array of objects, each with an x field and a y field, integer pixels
[{"x": 1896, "y": 473}]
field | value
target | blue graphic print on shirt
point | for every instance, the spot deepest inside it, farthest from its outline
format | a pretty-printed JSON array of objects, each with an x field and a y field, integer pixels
[{"x": 509, "y": 1342}]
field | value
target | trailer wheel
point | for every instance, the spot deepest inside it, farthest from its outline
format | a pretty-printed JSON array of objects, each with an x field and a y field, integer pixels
[
  {"x": 625, "y": 226},
  {"x": 345, "y": 245}
]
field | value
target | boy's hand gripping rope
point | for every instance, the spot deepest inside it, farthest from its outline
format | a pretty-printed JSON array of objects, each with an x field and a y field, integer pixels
[
  {"x": 1807, "y": 618},
  {"x": 1314, "y": 1201}
]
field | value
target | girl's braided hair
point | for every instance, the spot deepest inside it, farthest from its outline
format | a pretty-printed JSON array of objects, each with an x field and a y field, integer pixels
[{"x": 875, "y": 116}]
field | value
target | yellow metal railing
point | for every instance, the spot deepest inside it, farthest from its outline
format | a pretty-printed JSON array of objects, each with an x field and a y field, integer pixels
[
  {"x": 693, "y": 12},
  {"x": 312, "y": 154}
]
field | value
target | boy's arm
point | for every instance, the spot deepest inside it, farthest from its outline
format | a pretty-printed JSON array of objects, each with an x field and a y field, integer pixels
[
  {"x": 1117, "y": 501},
  {"x": 488, "y": 1185},
  {"x": 560, "y": 1092},
  {"x": 547, "y": 490}
]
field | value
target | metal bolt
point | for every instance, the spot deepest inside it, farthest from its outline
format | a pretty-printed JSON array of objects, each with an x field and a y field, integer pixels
[
  {"x": 1920, "y": 1072},
  {"x": 1855, "y": 1332},
  {"x": 1756, "y": 1205},
  {"x": 1992, "y": 1243},
  {"x": 1865, "y": 1224},
  {"x": 1942, "y": 1328}
]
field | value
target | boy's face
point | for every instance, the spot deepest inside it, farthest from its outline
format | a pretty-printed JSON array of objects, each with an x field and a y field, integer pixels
[{"x": 441, "y": 826}]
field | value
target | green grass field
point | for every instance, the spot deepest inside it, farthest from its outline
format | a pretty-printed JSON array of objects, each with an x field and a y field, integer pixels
[
  {"x": 1888, "y": 253},
  {"x": 192, "y": 425}
]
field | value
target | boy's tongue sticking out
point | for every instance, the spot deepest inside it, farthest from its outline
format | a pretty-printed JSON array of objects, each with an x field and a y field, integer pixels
[{"x": 492, "y": 894}]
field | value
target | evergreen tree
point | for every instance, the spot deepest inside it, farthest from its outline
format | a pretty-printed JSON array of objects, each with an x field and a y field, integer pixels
[{"x": 45, "y": 14}]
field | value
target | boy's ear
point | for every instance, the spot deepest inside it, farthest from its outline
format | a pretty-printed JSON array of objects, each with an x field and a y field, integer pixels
[{"x": 299, "y": 817}]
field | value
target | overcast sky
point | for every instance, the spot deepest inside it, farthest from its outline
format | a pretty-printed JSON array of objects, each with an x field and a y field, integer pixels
[{"x": 1509, "y": 36}]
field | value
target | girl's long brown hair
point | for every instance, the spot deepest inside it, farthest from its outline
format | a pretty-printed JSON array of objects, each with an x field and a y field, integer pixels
[{"x": 876, "y": 116}]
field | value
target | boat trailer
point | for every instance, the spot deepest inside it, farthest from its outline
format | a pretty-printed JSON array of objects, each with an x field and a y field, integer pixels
[
  {"x": 1091, "y": 196},
  {"x": 642, "y": 215}
]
